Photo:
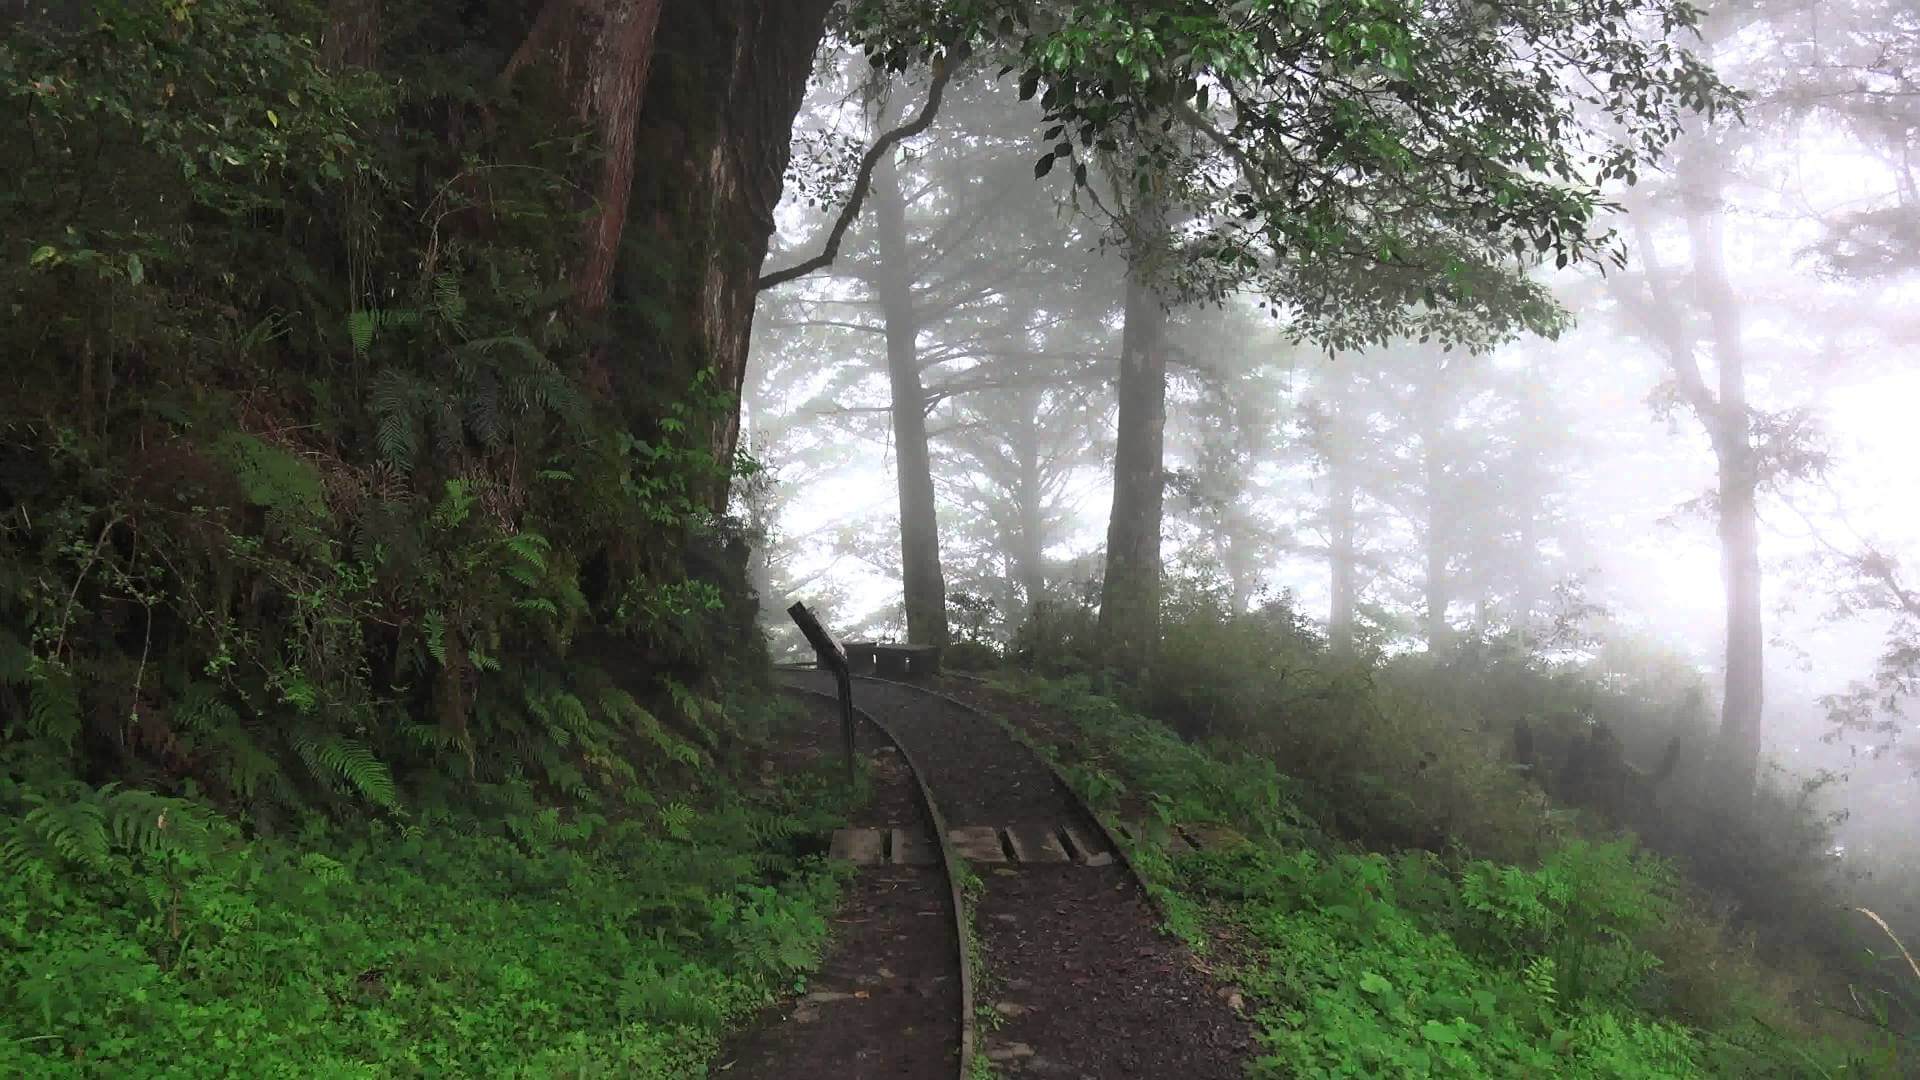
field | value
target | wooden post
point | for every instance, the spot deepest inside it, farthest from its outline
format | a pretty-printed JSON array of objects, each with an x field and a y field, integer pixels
[{"x": 833, "y": 656}]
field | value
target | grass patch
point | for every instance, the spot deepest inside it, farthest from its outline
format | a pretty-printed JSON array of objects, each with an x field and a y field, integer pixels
[
  {"x": 538, "y": 944},
  {"x": 1417, "y": 963}
]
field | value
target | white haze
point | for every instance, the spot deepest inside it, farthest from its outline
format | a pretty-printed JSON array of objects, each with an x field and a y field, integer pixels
[{"x": 1844, "y": 349}]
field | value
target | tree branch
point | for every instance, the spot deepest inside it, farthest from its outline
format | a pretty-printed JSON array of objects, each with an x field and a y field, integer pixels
[{"x": 943, "y": 68}]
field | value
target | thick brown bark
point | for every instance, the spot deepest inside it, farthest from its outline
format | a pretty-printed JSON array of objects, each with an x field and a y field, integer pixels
[
  {"x": 727, "y": 78},
  {"x": 599, "y": 54},
  {"x": 921, "y": 577},
  {"x": 1130, "y": 594}
]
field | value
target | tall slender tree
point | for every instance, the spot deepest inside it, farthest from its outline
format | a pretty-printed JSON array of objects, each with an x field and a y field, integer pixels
[{"x": 1130, "y": 591}]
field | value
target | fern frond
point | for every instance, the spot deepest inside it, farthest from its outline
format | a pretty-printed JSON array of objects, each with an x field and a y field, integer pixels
[
  {"x": 483, "y": 414},
  {"x": 200, "y": 710},
  {"x": 77, "y": 831},
  {"x": 342, "y": 759},
  {"x": 364, "y": 324},
  {"x": 394, "y": 399},
  {"x": 54, "y": 709},
  {"x": 531, "y": 548},
  {"x": 447, "y": 301},
  {"x": 434, "y": 629}
]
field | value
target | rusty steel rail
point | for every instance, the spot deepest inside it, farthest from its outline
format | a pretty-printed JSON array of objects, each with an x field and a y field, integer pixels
[
  {"x": 1025, "y": 742},
  {"x": 950, "y": 864}
]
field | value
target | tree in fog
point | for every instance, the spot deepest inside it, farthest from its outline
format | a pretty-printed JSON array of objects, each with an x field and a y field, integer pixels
[
  {"x": 1423, "y": 167},
  {"x": 1440, "y": 477},
  {"x": 1022, "y": 430},
  {"x": 1228, "y": 441},
  {"x": 954, "y": 231}
]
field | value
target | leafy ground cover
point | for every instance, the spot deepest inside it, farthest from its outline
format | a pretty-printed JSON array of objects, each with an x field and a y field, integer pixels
[
  {"x": 1416, "y": 963},
  {"x": 144, "y": 936}
]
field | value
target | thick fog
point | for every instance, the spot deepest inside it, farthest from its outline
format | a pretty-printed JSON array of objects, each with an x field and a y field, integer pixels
[{"x": 1563, "y": 490}]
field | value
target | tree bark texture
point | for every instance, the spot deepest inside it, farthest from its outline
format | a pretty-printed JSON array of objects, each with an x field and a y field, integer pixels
[
  {"x": 922, "y": 580},
  {"x": 599, "y": 54},
  {"x": 1130, "y": 594},
  {"x": 710, "y": 152}
]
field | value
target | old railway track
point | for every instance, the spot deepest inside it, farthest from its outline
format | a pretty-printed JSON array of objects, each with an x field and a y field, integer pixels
[
  {"x": 1079, "y": 981},
  {"x": 895, "y": 997}
]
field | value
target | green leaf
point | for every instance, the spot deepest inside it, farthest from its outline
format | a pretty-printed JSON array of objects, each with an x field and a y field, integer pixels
[
  {"x": 1436, "y": 1032},
  {"x": 136, "y": 271}
]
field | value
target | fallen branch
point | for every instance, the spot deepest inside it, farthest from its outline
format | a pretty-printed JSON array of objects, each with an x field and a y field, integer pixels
[{"x": 942, "y": 74}]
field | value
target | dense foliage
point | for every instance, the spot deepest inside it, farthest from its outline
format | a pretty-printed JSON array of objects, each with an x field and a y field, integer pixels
[
  {"x": 348, "y": 618},
  {"x": 1373, "y": 168},
  {"x": 154, "y": 941},
  {"x": 1586, "y": 958},
  {"x": 309, "y": 485}
]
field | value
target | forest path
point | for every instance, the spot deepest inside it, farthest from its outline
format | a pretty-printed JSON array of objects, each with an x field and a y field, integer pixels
[
  {"x": 1079, "y": 979},
  {"x": 886, "y": 1001}
]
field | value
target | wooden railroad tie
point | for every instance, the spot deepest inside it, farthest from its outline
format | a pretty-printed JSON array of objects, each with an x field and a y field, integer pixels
[{"x": 1030, "y": 844}]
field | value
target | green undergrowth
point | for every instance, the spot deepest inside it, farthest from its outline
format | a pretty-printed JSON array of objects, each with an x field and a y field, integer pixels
[
  {"x": 157, "y": 939},
  {"x": 1590, "y": 961}
]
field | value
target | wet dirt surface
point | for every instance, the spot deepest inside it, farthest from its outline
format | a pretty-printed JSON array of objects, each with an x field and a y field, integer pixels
[
  {"x": 1080, "y": 980},
  {"x": 886, "y": 1001}
]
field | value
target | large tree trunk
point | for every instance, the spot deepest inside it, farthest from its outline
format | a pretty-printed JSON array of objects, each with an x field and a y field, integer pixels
[
  {"x": 1740, "y": 719},
  {"x": 1341, "y": 556},
  {"x": 1130, "y": 595},
  {"x": 598, "y": 53},
  {"x": 921, "y": 576},
  {"x": 727, "y": 79}
]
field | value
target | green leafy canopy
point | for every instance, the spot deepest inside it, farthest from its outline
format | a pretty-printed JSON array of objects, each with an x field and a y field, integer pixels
[{"x": 1376, "y": 167}]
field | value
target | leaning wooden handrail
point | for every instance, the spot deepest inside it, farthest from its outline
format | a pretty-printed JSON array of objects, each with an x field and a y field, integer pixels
[{"x": 834, "y": 655}]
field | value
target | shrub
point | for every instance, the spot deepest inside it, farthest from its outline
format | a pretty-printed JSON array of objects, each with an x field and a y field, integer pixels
[
  {"x": 539, "y": 943},
  {"x": 1590, "y": 959}
]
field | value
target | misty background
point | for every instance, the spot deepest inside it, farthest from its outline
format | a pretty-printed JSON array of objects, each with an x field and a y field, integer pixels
[{"x": 1563, "y": 488}]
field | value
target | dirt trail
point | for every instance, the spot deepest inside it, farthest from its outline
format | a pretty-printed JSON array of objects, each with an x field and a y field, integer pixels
[
  {"x": 1083, "y": 983},
  {"x": 886, "y": 1002}
]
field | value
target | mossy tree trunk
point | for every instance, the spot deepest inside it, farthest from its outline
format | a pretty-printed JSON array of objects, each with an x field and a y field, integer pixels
[{"x": 711, "y": 149}]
